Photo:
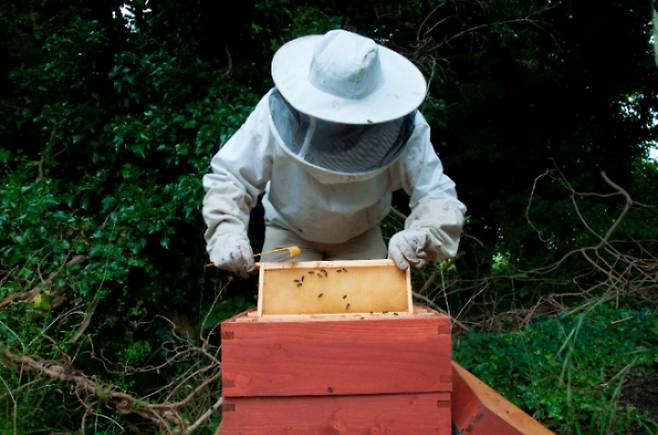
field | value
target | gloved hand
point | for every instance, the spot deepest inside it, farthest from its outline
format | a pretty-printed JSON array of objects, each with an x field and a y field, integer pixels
[
  {"x": 232, "y": 252},
  {"x": 414, "y": 246}
]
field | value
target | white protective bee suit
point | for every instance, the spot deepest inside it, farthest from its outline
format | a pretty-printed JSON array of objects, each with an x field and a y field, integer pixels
[{"x": 328, "y": 145}]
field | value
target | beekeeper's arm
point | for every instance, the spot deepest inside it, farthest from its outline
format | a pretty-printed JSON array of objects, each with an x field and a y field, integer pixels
[
  {"x": 240, "y": 171},
  {"x": 432, "y": 230}
]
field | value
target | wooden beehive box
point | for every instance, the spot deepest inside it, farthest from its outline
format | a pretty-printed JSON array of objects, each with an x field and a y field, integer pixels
[{"x": 377, "y": 366}]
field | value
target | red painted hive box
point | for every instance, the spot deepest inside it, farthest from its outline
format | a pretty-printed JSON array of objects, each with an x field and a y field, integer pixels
[{"x": 379, "y": 372}]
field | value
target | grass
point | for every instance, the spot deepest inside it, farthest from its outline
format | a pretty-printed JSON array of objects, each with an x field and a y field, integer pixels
[{"x": 569, "y": 371}]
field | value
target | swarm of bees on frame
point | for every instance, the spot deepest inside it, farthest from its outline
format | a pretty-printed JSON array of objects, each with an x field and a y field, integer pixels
[{"x": 321, "y": 274}]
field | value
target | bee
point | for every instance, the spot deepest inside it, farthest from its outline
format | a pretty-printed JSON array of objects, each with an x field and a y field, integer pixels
[
  {"x": 339, "y": 270},
  {"x": 311, "y": 272},
  {"x": 344, "y": 296},
  {"x": 347, "y": 307},
  {"x": 320, "y": 295},
  {"x": 296, "y": 280},
  {"x": 323, "y": 271},
  {"x": 299, "y": 284},
  {"x": 302, "y": 278},
  {"x": 330, "y": 389},
  {"x": 395, "y": 314},
  {"x": 343, "y": 269}
]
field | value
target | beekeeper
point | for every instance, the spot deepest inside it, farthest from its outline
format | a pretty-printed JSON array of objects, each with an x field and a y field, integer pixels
[{"x": 328, "y": 145}]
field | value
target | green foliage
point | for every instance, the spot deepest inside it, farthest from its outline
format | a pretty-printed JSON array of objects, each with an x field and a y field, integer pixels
[
  {"x": 105, "y": 161},
  {"x": 569, "y": 371},
  {"x": 107, "y": 125},
  {"x": 299, "y": 18}
]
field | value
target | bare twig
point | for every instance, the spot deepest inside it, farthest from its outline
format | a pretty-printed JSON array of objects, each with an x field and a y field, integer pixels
[
  {"x": 612, "y": 268},
  {"x": 109, "y": 395},
  {"x": 26, "y": 296},
  {"x": 167, "y": 414},
  {"x": 87, "y": 319},
  {"x": 205, "y": 416}
]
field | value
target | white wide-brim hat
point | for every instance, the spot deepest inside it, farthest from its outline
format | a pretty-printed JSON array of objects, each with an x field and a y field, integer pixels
[{"x": 346, "y": 78}]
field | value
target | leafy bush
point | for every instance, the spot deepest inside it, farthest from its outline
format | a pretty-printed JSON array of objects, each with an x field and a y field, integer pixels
[
  {"x": 107, "y": 125},
  {"x": 569, "y": 371}
]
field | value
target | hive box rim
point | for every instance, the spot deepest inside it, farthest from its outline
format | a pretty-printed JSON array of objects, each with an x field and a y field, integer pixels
[{"x": 251, "y": 315}]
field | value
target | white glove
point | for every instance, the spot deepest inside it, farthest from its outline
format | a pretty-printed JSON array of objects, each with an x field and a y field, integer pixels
[
  {"x": 414, "y": 246},
  {"x": 232, "y": 252}
]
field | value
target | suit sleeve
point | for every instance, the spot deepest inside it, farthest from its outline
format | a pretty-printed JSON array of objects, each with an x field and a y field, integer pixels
[
  {"x": 433, "y": 197},
  {"x": 239, "y": 173}
]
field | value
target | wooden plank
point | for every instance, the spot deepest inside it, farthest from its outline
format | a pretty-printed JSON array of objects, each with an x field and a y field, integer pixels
[
  {"x": 352, "y": 263},
  {"x": 261, "y": 280},
  {"x": 251, "y": 315},
  {"x": 367, "y": 355},
  {"x": 379, "y": 414},
  {"x": 318, "y": 287},
  {"x": 479, "y": 410},
  {"x": 409, "y": 290}
]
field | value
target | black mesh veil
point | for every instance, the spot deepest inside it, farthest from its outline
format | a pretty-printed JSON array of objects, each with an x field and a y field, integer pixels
[{"x": 345, "y": 148}]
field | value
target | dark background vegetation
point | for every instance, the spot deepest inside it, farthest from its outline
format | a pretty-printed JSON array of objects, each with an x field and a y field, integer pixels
[{"x": 544, "y": 113}]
